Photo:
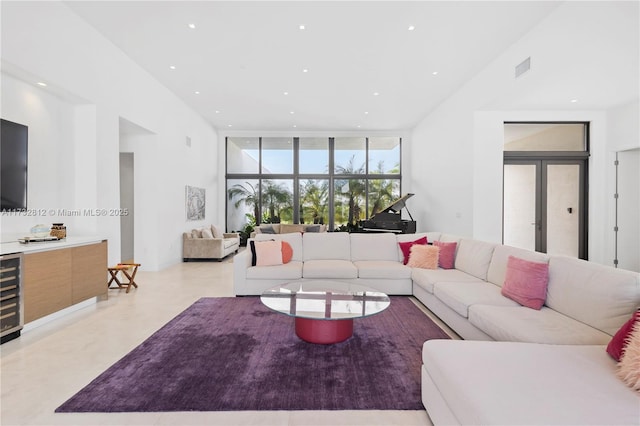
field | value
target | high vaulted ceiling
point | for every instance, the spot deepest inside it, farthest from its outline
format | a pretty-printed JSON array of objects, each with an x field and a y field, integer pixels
[{"x": 380, "y": 65}]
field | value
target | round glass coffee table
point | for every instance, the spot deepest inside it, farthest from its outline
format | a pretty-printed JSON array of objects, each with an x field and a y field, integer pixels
[{"x": 324, "y": 310}]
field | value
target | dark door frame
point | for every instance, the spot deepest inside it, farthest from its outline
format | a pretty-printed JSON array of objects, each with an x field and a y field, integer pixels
[{"x": 541, "y": 160}]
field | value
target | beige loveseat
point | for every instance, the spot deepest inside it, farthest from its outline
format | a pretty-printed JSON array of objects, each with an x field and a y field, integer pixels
[{"x": 214, "y": 244}]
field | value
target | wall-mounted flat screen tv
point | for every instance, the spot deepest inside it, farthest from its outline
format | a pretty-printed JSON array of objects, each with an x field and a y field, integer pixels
[{"x": 13, "y": 165}]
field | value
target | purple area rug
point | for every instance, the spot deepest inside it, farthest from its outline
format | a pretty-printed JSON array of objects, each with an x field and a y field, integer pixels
[{"x": 228, "y": 354}]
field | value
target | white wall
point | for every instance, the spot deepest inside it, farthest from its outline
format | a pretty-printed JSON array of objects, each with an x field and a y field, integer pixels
[
  {"x": 51, "y": 156},
  {"x": 624, "y": 127},
  {"x": 457, "y": 149},
  {"x": 91, "y": 85}
]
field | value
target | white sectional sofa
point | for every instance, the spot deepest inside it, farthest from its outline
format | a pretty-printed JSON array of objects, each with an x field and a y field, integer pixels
[
  {"x": 586, "y": 302},
  {"x": 374, "y": 260},
  {"x": 467, "y": 382},
  {"x": 548, "y": 366},
  {"x": 517, "y": 365}
]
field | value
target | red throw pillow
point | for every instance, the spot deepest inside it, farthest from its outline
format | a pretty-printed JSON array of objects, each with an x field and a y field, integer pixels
[
  {"x": 629, "y": 365},
  {"x": 287, "y": 252},
  {"x": 406, "y": 247},
  {"x": 616, "y": 346},
  {"x": 447, "y": 254},
  {"x": 526, "y": 282}
]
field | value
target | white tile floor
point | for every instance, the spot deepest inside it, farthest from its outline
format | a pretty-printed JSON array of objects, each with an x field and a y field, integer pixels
[{"x": 50, "y": 363}]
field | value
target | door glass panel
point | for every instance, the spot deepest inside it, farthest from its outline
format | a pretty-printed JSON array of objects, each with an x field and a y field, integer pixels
[
  {"x": 519, "y": 208},
  {"x": 563, "y": 197},
  {"x": 243, "y": 155},
  {"x": 314, "y": 156},
  {"x": 350, "y": 155},
  {"x": 314, "y": 201},
  {"x": 382, "y": 192},
  {"x": 384, "y": 155},
  {"x": 243, "y": 203},
  {"x": 545, "y": 137},
  {"x": 277, "y": 201},
  {"x": 349, "y": 203},
  {"x": 277, "y": 155}
]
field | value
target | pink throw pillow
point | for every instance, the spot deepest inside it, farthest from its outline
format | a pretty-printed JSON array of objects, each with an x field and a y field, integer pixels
[
  {"x": 526, "y": 282},
  {"x": 616, "y": 346},
  {"x": 406, "y": 247},
  {"x": 266, "y": 253},
  {"x": 447, "y": 254},
  {"x": 423, "y": 256}
]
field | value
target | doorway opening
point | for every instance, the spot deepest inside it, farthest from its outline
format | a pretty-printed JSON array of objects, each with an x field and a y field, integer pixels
[
  {"x": 136, "y": 143},
  {"x": 545, "y": 192},
  {"x": 127, "y": 206}
]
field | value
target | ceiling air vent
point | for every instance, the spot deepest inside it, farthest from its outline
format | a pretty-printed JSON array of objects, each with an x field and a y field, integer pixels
[{"x": 523, "y": 67}]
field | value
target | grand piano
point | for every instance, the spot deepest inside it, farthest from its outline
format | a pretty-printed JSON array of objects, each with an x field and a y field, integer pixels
[{"x": 390, "y": 219}]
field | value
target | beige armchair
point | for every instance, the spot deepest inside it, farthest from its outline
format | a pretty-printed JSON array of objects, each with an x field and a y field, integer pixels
[{"x": 194, "y": 246}]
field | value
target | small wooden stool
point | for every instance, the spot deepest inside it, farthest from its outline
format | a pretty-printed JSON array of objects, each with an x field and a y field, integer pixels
[{"x": 124, "y": 268}]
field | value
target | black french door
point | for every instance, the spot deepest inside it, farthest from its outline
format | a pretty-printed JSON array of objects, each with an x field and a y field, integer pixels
[{"x": 545, "y": 205}]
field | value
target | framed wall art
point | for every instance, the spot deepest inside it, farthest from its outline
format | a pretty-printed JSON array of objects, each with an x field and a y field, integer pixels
[{"x": 195, "y": 202}]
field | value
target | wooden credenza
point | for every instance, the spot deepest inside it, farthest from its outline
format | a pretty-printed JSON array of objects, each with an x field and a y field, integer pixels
[{"x": 58, "y": 278}]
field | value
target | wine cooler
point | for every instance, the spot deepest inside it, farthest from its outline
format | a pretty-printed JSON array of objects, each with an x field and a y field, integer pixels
[{"x": 11, "y": 303}]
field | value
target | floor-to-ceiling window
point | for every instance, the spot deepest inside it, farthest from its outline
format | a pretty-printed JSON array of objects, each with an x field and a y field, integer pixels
[{"x": 333, "y": 181}]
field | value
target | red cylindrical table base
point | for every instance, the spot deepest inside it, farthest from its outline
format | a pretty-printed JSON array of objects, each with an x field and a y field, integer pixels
[{"x": 324, "y": 331}]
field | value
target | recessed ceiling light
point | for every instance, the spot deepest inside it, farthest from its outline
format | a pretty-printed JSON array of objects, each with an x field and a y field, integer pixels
[
  {"x": 375, "y": 93},
  {"x": 305, "y": 70},
  {"x": 573, "y": 101},
  {"x": 301, "y": 27},
  {"x": 358, "y": 126},
  {"x": 192, "y": 26},
  {"x": 411, "y": 28},
  {"x": 286, "y": 93},
  {"x": 366, "y": 112},
  {"x": 291, "y": 112},
  {"x": 40, "y": 83},
  {"x": 197, "y": 93},
  {"x": 173, "y": 67},
  {"x": 435, "y": 73},
  {"x": 229, "y": 125},
  {"x": 294, "y": 126},
  {"x": 217, "y": 112}
]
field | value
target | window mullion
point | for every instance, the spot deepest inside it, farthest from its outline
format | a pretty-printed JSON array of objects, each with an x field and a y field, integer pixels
[
  {"x": 332, "y": 215},
  {"x": 296, "y": 181}
]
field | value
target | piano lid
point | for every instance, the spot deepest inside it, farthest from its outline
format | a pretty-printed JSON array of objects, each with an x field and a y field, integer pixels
[{"x": 398, "y": 204}]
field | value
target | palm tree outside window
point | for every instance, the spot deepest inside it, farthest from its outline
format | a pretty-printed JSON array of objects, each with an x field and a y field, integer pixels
[{"x": 333, "y": 181}]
